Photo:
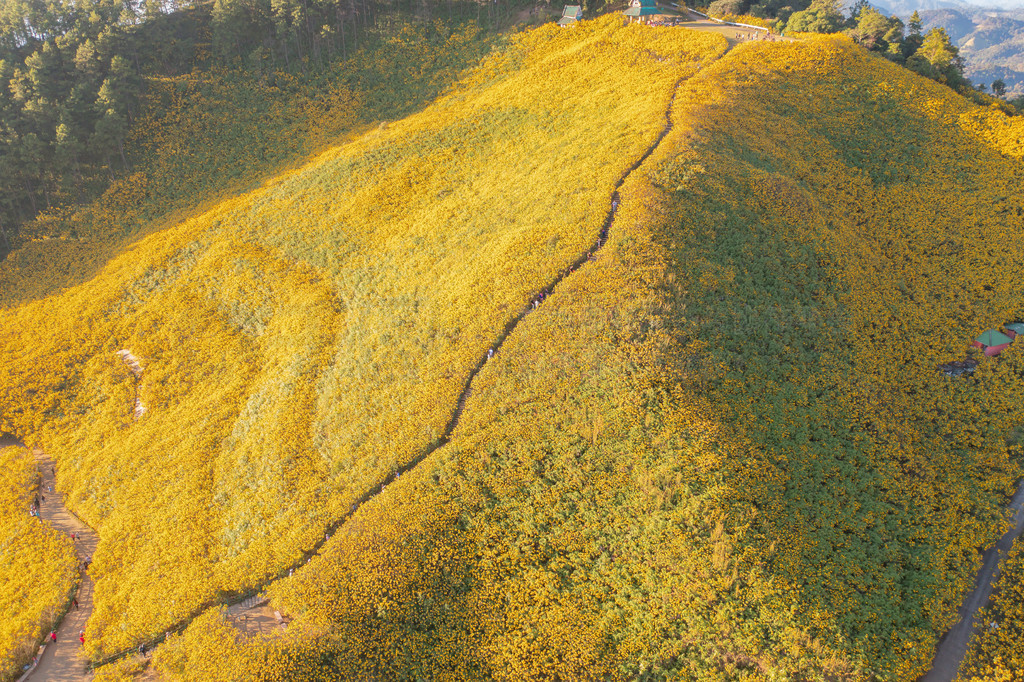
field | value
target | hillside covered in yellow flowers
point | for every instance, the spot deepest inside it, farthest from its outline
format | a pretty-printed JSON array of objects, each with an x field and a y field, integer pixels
[{"x": 719, "y": 449}]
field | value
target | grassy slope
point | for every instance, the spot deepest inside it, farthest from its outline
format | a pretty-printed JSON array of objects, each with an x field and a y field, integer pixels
[
  {"x": 864, "y": 247},
  {"x": 860, "y": 245},
  {"x": 723, "y": 450},
  {"x": 301, "y": 342}
]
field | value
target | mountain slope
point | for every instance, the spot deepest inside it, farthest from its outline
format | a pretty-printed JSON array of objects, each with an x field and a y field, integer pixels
[
  {"x": 723, "y": 449},
  {"x": 301, "y": 343}
]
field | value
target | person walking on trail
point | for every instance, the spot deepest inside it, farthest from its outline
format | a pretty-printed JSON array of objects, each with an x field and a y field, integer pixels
[
  {"x": 74, "y": 602},
  {"x": 53, "y": 635}
]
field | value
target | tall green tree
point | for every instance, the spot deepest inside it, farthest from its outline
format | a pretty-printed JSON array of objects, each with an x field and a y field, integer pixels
[
  {"x": 871, "y": 29},
  {"x": 912, "y": 43},
  {"x": 227, "y": 24},
  {"x": 938, "y": 58},
  {"x": 823, "y": 16}
]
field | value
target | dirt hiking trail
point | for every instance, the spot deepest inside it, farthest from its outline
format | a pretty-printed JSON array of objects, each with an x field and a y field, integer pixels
[{"x": 63, "y": 661}]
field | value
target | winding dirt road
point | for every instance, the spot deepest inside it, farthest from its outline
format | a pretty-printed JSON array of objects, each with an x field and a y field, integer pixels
[{"x": 953, "y": 646}]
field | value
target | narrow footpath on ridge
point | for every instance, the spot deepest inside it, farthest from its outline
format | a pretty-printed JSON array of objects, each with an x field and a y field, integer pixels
[
  {"x": 233, "y": 600},
  {"x": 952, "y": 648}
]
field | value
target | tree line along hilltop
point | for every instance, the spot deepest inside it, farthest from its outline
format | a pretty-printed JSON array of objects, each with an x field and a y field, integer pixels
[{"x": 928, "y": 43}]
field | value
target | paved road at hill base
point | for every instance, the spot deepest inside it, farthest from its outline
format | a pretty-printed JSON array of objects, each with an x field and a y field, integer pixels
[{"x": 953, "y": 645}]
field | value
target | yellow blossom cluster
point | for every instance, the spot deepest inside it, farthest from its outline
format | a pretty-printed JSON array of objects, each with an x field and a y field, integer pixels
[
  {"x": 122, "y": 670},
  {"x": 723, "y": 450},
  {"x": 566, "y": 525},
  {"x": 738, "y": 18},
  {"x": 843, "y": 245}
]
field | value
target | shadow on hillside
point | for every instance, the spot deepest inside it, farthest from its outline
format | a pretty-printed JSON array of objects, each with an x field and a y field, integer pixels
[{"x": 810, "y": 249}]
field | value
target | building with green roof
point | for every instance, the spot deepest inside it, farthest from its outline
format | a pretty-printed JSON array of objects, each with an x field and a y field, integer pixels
[
  {"x": 570, "y": 15},
  {"x": 641, "y": 10},
  {"x": 992, "y": 342}
]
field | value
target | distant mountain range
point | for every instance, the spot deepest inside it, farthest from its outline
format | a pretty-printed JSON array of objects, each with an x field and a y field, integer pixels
[
  {"x": 991, "y": 39},
  {"x": 906, "y": 7}
]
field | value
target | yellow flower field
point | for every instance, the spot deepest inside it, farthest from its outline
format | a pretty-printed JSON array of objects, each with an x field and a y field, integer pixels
[
  {"x": 302, "y": 342},
  {"x": 723, "y": 450},
  {"x": 720, "y": 450}
]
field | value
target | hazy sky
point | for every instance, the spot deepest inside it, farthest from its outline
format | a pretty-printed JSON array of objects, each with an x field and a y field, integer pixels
[
  {"x": 1005, "y": 4},
  {"x": 907, "y": 6}
]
